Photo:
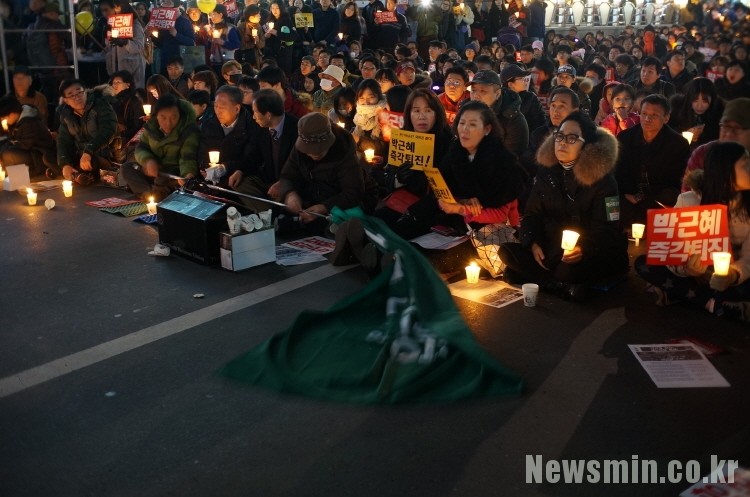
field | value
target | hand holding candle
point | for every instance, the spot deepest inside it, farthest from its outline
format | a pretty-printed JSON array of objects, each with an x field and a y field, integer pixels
[
  {"x": 569, "y": 240},
  {"x": 637, "y": 230},
  {"x": 147, "y": 109},
  {"x": 213, "y": 157},
  {"x": 370, "y": 154},
  {"x": 472, "y": 273}
]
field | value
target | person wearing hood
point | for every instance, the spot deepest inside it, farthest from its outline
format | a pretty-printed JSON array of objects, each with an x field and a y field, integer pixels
[
  {"x": 566, "y": 76},
  {"x": 31, "y": 143},
  {"x": 518, "y": 80},
  {"x": 735, "y": 83},
  {"x": 574, "y": 190},
  {"x": 406, "y": 72},
  {"x": 331, "y": 82},
  {"x": 506, "y": 104},
  {"x": 168, "y": 145},
  {"x": 88, "y": 128}
]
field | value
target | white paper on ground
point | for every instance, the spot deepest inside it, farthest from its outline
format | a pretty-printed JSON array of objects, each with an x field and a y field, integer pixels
[
  {"x": 677, "y": 366},
  {"x": 489, "y": 292},
  {"x": 292, "y": 256}
]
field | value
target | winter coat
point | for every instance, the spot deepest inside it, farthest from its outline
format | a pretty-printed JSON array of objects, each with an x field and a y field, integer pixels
[
  {"x": 335, "y": 180},
  {"x": 129, "y": 109},
  {"x": 176, "y": 152},
  {"x": 588, "y": 205},
  {"x": 231, "y": 38},
  {"x": 390, "y": 34},
  {"x": 92, "y": 133},
  {"x": 128, "y": 57},
  {"x": 493, "y": 177},
  {"x": 497, "y": 18},
  {"x": 352, "y": 29},
  {"x": 682, "y": 118},
  {"x": 532, "y": 110},
  {"x": 514, "y": 129},
  {"x": 536, "y": 28},
  {"x": 661, "y": 87},
  {"x": 283, "y": 37},
  {"x": 169, "y": 46},
  {"x": 30, "y": 133},
  {"x": 728, "y": 91},
  {"x": 323, "y": 100},
  {"x": 235, "y": 148},
  {"x": 326, "y": 25},
  {"x": 37, "y": 100},
  {"x": 428, "y": 17}
]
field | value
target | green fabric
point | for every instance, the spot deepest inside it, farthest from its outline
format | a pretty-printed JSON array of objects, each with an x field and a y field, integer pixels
[
  {"x": 356, "y": 351},
  {"x": 175, "y": 152}
]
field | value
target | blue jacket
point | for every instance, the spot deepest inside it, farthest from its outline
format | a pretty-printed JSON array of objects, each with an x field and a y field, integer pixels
[{"x": 169, "y": 46}]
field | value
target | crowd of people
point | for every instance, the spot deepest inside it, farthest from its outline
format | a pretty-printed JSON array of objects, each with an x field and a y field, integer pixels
[{"x": 533, "y": 129}]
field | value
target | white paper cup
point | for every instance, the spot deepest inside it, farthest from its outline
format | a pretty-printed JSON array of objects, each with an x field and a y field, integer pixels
[{"x": 530, "y": 292}]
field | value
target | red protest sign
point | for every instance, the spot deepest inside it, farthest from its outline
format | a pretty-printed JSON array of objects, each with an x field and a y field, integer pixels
[
  {"x": 232, "y": 9},
  {"x": 163, "y": 18},
  {"x": 121, "y": 26},
  {"x": 383, "y": 17},
  {"x": 451, "y": 116},
  {"x": 675, "y": 234}
]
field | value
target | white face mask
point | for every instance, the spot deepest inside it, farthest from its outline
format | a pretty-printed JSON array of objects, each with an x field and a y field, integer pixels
[
  {"x": 353, "y": 54},
  {"x": 326, "y": 85}
]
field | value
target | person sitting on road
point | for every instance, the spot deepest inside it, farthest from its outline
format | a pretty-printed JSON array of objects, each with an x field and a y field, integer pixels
[{"x": 30, "y": 141}]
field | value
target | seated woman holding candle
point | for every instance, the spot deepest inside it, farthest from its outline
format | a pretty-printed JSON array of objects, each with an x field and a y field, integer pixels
[
  {"x": 168, "y": 150},
  {"x": 574, "y": 190},
  {"x": 697, "y": 110},
  {"x": 30, "y": 141},
  {"x": 724, "y": 291},
  {"x": 367, "y": 133}
]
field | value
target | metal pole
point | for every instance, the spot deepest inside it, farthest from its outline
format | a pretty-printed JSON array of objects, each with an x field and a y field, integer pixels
[
  {"x": 5, "y": 56},
  {"x": 74, "y": 41}
]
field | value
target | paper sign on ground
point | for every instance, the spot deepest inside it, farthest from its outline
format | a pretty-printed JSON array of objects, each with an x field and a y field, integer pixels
[
  {"x": 291, "y": 256},
  {"x": 411, "y": 146},
  {"x": 123, "y": 23},
  {"x": 488, "y": 292},
  {"x": 316, "y": 244},
  {"x": 438, "y": 185},
  {"x": 436, "y": 241},
  {"x": 303, "y": 20},
  {"x": 677, "y": 366},
  {"x": 111, "y": 202},
  {"x": 162, "y": 18},
  {"x": 673, "y": 235}
]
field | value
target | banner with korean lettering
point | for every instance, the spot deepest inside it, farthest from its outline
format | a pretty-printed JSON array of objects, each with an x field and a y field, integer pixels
[
  {"x": 438, "y": 185},
  {"x": 163, "y": 18},
  {"x": 382, "y": 17},
  {"x": 303, "y": 20},
  {"x": 122, "y": 26},
  {"x": 675, "y": 234},
  {"x": 410, "y": 146}
]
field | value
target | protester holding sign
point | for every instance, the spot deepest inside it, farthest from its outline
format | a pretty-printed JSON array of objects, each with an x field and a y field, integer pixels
[
  {"x": 726, "y": 181},
  {"x": 388, "y": 34},
  {"x": 124, "y": 52},
  {"x": 170, "y": 32},
  {"x": 574, "y": 190},
  {"x": 225, "y": 38}
]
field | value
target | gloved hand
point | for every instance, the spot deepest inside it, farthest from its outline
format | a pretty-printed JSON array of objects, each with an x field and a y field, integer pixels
[
  {"x": 405, "y": 173},
  {"x": 721, "y": 283}
]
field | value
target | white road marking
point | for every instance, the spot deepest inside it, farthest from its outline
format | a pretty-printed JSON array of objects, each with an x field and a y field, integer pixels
[{"x": 73, "y": 362}]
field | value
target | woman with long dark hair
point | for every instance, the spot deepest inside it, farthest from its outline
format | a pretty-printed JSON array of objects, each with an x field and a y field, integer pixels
[
  {"x": 726, "y": 181},
  {"x": 280, "y": 39},
  {"x": 698, "y": 110},
  {"x": 350, "y": 25}
]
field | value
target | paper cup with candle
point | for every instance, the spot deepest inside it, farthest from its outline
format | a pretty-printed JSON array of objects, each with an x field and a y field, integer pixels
[
  {"x": 151, "y": 206},
  {"x": 688, "y": 135},
  {"x": 216, "y": 33},
  {"x": 155, "y": 33},
  {"x": 67, "y": 186},
  {"x": 270, "y": 26},
  {"x": 369, "y": 154},
  {"x": 147, "y": 109},
  {"x": 255, "y": 32},
  {"x": 341, "y": 36},
  {"x": 115, "y": 33},
  {"x": 5, "y": 124},
  {"x": 569, "y": 240},
  {"x": 2, "y": 174},
  {"x": 472, "y": 273},
  {"x": 637, "y": 230},
  {"x": 721, "y": 262},
  {"x": 213, "y": 156},
  {"x": 31, "y": 196}
]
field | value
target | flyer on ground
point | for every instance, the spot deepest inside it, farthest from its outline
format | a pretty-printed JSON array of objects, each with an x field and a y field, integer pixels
[{"x": 673, "y": 365}]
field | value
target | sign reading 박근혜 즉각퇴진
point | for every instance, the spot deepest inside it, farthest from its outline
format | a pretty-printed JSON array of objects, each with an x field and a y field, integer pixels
[
  {"x": 163, "y": 18},
  {"x": 674, "y": 235},
  {"x": 123, "y": 23},
  {"x": 417, "y": 149}
]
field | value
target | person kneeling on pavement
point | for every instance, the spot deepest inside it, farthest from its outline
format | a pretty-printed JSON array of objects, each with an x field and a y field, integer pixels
[
  {"x": 322, "y": 172},
  {"x": 88, "y": 129},
  {"x": 167, "y": 153},
  {"x": 574, "y": 190},
  {"x": 30, "y": 141}
]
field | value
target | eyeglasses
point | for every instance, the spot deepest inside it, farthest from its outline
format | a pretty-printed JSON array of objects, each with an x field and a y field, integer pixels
[
  {"x": 453, "y": 83},
  {"x": 570, "y": 139},
  {"x": 77, "y": 94}
]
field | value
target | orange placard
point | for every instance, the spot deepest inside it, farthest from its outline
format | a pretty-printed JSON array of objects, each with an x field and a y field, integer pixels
[
  {"x": 673, "y": 235},
  {"x": 123, "y": 23},
  {"x": 163, "y": 18}
]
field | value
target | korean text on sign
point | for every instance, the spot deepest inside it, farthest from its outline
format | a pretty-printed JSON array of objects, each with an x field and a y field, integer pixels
[
  {"x": 382, "y": 17},
  {"x": 123, "y": 23},
  {"x": 438, "y": 185},
  {"x": 675, "y": 234},
  {"x": 303, "y": 20},
  {"x": 163, "y": 18},
  {"x": 412, "y": 147}
]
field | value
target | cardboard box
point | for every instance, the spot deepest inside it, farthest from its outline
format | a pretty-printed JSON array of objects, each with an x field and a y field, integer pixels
[
  {"x": 246, "y": 250},
  {"x": 190, "y": 226}
]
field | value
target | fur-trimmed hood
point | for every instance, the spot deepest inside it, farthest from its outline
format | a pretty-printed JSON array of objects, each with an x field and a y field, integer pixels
[{"x": 596, "y": 159}]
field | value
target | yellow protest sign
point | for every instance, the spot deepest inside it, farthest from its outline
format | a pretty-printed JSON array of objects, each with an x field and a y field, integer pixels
[
  {"x": 413, "y": 147},
  {"x": 303, "y": 20},
  {"x": 438, "y": 185}
]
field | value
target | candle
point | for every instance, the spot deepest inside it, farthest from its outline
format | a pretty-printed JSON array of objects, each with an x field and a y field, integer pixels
[
  {"x": 147, "y": 109},
  {"x": 472, "y": 273},
  {"x": 341, "y": 36},
  {"x": 569, "y": 240},
  {"x": 217, "y": 33},
  {"x": 151, "y": 206},
  {"x": 5, "y": 125},
  {"x": 31, "y": 196},
  {"x": 637, "y": 230},
  {"x": 270, "y": 26},
  {"x": 255, "y": 32},
  {"x": 721, "y": 262},
  {"x": 68, "y": 188},
  {"x": 341, "y": 124},
  {"x": 213, "y": 156},
  {"x": 2, "y": 174},
  {"x": 369, "y": 154},
  {"x": 688, "y": 135},
  {"x": 155, "y": 33},
  {"x": 115, "y": 33},
  {"x": 461, "y": 5},
  {"x": 196, "y": 28}
]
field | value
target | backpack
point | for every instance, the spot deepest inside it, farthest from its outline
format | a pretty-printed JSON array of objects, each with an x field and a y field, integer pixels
[{"x": 37, "y": 46}]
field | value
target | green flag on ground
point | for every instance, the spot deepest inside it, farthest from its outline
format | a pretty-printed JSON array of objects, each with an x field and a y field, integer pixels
[{"x": 400, "y": 339}]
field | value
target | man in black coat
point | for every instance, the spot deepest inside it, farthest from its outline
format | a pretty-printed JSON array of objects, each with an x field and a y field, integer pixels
[
  {"x": 230, "y": 131},
  {"x": 271, "y": 147}
]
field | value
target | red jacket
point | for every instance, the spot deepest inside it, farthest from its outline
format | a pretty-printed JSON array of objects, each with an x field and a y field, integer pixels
[
  {"x": 294, "y": 106},
  {"x": 451, "y": 108}
]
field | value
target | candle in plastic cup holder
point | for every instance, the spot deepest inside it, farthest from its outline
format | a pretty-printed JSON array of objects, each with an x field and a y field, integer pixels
[
  {"x": 213, "y": 156},
  {"x": 637, "y": 230},
  {"x": 569, "y": 239},
  {"x": 688, "y": 135},
  {"x": 472, "y": 273},
  {"x": 721, "y": 262}
]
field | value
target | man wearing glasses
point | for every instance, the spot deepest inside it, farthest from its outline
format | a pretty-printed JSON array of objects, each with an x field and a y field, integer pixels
[
  {"x": 88, "y": 128},
  {"x": 455, "y": 92},
  {"x": 652, "y": 162}
]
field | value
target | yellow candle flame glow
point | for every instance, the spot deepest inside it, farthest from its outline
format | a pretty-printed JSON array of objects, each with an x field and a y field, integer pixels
[
  {"x": 115, "y": 33},
  {"x": 213, "y": 156},
  {"x": 472, "y": 273},
  {"x": 688, "y": 135},
  {"x": 270, "y": 26},
  {"x": 721, "y": 262},
  {"x": 217, "y": 33},
  {"x": 369, "y": 154},
  {"x": 155, "y": 33},
  {"x": 255, "y": 32},
  {"x": 5, "y": 124},
  {"x": 569, "y": 239},
  {"x": 147, "y": 109}
]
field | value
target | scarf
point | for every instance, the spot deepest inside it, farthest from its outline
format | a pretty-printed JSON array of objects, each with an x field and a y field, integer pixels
[{"x": 366, "y": 117}]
